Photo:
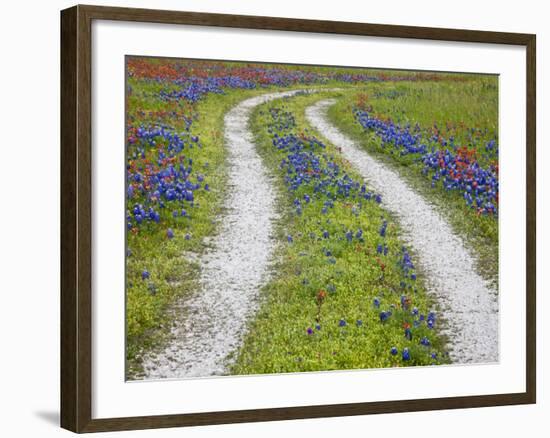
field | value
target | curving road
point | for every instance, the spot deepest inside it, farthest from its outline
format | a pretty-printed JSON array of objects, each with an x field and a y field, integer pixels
[
  {"x": 467, "y": 303},
  {"x": 210, "y": 325}
]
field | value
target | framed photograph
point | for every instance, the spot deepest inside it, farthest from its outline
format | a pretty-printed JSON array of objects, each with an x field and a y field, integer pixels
[{"x": 269, "y": 218}]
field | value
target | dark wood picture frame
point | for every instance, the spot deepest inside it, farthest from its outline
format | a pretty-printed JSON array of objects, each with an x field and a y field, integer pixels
[{"x": 76, "y": 218}]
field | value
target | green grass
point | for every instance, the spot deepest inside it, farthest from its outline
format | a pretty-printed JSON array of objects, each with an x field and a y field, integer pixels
[
  {"x": 471, "y": 104},
  {"x": 277, "y": 340}
]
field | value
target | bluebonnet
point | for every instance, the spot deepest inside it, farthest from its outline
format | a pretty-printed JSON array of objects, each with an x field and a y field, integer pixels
[
  {"x": 452, "y": 167},
  {"x": 382, "y": 230}
]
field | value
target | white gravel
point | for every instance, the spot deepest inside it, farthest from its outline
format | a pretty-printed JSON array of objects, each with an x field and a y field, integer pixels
[
  {"x": 467, "y": 303},
  {"x": 210, "y": 325}
]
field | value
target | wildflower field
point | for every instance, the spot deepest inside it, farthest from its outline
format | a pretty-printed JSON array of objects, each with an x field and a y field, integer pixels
[{"x": 345, "y": 284}]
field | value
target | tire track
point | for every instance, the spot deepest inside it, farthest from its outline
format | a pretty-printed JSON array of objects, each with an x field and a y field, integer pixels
[
  {"x": 468, "y": 305},
  {"x": 210, "y": 325}
]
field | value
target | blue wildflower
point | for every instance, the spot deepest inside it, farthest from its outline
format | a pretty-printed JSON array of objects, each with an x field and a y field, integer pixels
[
  {"x": 431, "y": 320},
  {"x": 382, "y": 230}
]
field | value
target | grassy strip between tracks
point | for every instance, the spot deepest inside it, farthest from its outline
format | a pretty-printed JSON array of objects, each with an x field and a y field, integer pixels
[{"x": 344, "y": 293}]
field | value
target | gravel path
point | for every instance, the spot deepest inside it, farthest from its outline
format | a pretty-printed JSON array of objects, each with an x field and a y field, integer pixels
[
  {"x": 210, "y": 325},
  {"x": 467, "y": 303}
]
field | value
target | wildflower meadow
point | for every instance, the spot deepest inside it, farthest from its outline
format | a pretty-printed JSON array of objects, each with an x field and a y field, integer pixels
[{"x": 256, "y": 245}]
